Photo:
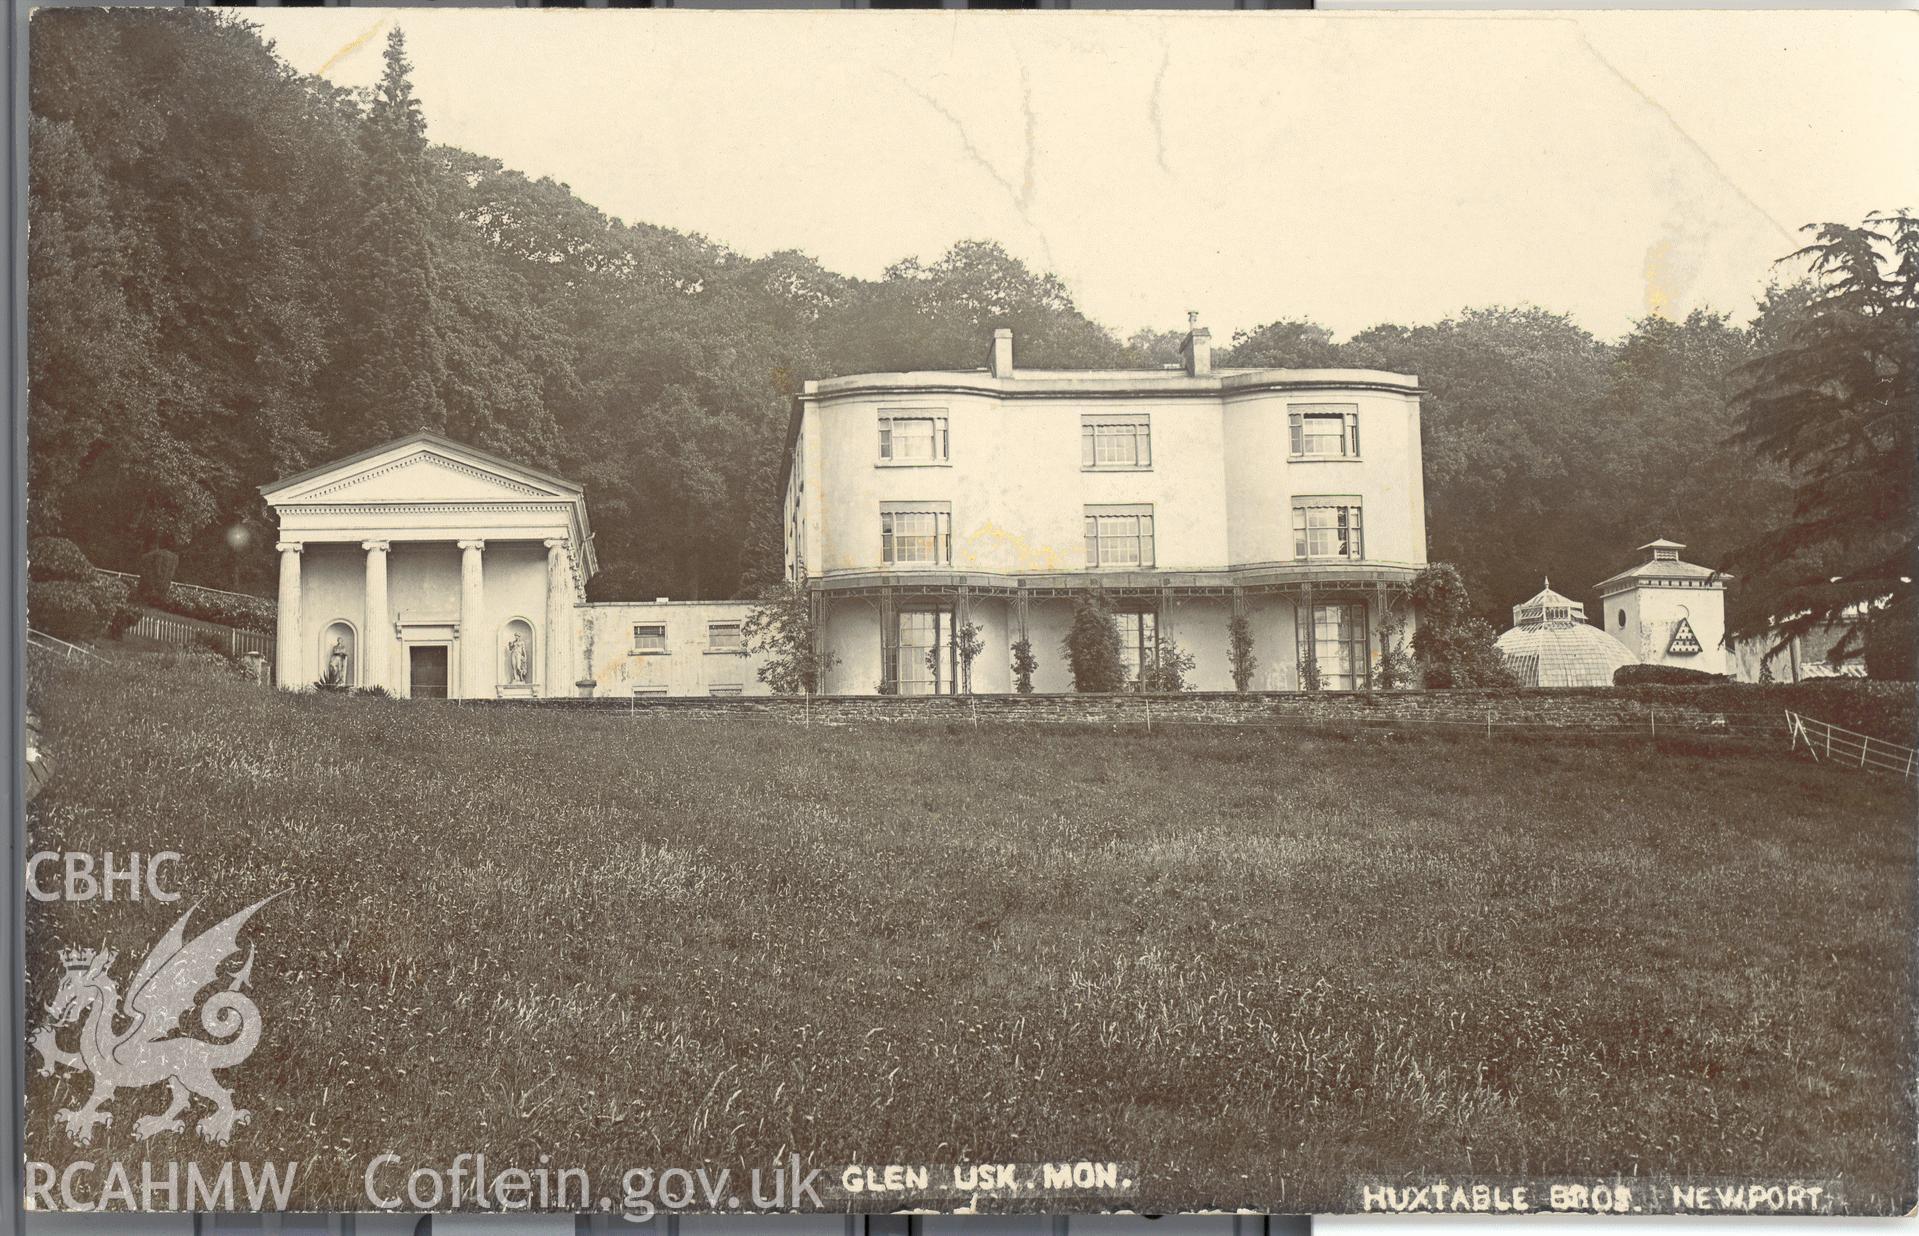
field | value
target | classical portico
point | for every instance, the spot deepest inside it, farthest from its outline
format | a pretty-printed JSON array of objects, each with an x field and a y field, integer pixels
[{"x": 426, "y": 567}]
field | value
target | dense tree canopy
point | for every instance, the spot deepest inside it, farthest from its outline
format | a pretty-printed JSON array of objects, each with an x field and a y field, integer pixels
[
  {"x": 1551, "y": 452},
  {"x": 236, "y": 272}
]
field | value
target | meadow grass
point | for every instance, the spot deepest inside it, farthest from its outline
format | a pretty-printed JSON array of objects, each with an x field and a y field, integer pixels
[{"x": 1257, "y": 963}]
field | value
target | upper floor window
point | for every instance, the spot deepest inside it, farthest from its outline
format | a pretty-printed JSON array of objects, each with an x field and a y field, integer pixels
[
  {"x": 1115, "y": 440},
  {"x": 1119, "y": 536},
  {"x": 649, "y": 637},
  {"x": 916, "y": 534},
  {"x": 1327, "y": 528},
  {"x": 913, "y": 438},
  {"x": 1324, "y": 430},
  {"x": 724, "y": 637}
]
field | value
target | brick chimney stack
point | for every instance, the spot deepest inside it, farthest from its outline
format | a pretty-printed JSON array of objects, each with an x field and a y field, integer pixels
[{"x": 1198, "y": 347}]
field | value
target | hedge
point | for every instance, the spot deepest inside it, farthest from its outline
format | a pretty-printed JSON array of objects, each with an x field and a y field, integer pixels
[
  {"x": 66, "y": 609},
  {"x": 227, "y": 609},
  {"x": 1663, "y": 675},
  {"x": 1888, "y": 710},
  {"x": 56, "y": 558},
  {"x": 67, "y": 598},
  {"x": 74, "y": 611}
]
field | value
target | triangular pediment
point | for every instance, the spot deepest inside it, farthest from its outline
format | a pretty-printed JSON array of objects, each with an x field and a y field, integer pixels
[{"x": 422, "y": 469}]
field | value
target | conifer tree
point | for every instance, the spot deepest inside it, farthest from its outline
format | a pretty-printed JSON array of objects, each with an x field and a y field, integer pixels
[
  {"x": 1834, "y": 400},
  {"x": 393, "y": 354}
]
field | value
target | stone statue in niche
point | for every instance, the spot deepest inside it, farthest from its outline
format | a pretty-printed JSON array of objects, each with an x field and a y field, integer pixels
[
  {"x": 336, "y": 664},
  {"x": 519, "y": 665}
]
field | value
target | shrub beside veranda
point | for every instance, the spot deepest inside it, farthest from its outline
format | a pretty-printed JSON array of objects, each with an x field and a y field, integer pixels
[
  {"x": 1169, "y": 670},
  {"x": 1092, "y": 647},
  {"x": 1453, "y": 648},
  {"x": 1024, "y": 663}
]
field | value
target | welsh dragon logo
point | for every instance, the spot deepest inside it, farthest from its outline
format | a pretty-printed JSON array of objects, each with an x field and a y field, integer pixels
[{"x": 147, "y": 1052}]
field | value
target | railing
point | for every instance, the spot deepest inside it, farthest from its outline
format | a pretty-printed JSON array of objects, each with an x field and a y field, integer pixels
[
  {"x": 180, "y": 587},
  {"x": 1849, "y": 748},
  {"x": 196, "y": 633},
  {"x": 61, "y": 648}
]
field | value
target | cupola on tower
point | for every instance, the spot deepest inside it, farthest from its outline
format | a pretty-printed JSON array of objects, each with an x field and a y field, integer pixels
[{"x": 1668, "y": 611}]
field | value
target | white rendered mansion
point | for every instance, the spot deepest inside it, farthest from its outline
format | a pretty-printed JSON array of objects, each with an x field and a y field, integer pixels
[
  {"x": 919, "y": 503},
  {"x": 915, "y": 504}
]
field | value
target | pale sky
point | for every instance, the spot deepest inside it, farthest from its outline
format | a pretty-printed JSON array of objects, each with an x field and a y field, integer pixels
[{"x": 1352, "y": 168}]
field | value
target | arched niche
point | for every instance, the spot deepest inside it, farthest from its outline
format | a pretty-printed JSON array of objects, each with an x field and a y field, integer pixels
[
  {"x": 519, "y": 663},
  {"x": 339, "y": 659}
]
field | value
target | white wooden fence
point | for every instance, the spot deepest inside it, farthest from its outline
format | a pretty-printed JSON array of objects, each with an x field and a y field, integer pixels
[
  {"x": 193, "y": 633},
  {"x": 1831, "y": 744}
]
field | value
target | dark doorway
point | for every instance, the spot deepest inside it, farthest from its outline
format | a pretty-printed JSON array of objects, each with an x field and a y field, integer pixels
[{"x": 426, "y": 671}]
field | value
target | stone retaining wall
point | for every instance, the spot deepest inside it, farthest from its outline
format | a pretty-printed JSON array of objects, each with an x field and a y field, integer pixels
[{"x": 1729, "y": 708}]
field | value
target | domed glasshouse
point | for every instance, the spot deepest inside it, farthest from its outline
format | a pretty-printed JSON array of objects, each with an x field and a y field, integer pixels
[{"x": 1552, "y": 645}]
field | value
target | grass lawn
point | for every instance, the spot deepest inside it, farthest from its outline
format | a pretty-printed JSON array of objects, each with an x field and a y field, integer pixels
[{"x": 1256, "y": 963}]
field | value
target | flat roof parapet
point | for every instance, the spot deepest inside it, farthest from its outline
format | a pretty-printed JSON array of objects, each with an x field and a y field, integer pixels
[{"x": 1028, "y": 383}]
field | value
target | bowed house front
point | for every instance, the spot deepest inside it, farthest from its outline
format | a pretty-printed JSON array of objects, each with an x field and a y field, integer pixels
[
  {"x": 425, "y": 567},
  {"x": 920, "y": 504}
]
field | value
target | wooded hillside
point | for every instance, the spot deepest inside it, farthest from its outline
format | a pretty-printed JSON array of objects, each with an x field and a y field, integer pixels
[{"x": 237, "y": 272}]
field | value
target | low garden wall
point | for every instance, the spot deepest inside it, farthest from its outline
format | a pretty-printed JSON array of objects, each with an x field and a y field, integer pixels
[{"x": 1884, "y": 710}]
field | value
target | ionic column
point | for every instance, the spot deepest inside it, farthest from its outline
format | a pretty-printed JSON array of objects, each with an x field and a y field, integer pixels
[
  {"x": 476, "y": 652},
  {"x": 373, "y": 624},
  {"x": 559, "y": 619},
  {"x": 290, "y": 666}
]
